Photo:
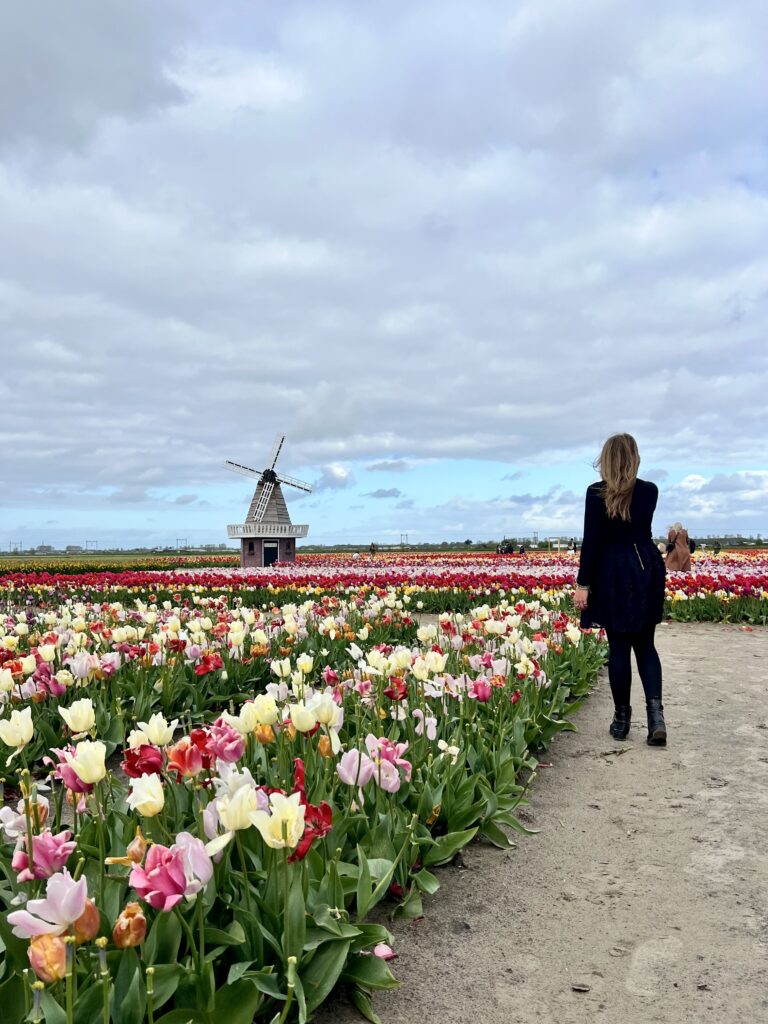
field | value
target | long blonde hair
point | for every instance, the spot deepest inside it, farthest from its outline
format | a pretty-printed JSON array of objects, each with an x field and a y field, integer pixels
[{"x": 618, "y": 464}]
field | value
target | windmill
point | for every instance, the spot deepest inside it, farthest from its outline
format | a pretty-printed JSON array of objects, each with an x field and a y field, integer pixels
[{"x": 268, "y": 535}]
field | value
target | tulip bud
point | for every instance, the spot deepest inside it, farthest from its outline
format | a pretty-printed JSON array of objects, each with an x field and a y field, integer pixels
[
  {"x": 324, "y": 748},
  {"x": 48, "y": 957},
  {"x": 130, "y": 927},
  {"x": 137, "y": 848},
  {"x": 86, "y": 927}
]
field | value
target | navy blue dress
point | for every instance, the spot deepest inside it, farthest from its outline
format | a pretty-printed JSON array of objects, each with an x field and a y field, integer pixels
[{"x": 620, "y": 564}]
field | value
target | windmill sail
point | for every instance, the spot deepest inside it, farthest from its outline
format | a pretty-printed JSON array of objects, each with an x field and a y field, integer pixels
[
  {"x": 293, "y": 482},
  {"x": 244, "y": 470},
  {"x": 276, "y": 449}
]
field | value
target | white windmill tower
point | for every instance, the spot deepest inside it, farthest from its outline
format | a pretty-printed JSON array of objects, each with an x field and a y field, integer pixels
[{"x": 268, "y": 535}]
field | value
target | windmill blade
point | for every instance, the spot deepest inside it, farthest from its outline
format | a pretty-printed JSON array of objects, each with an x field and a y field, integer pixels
[
  {"x": 245, "y": 470},
  {"x": 279, "y": 442},
  {"x": 261, "y": 507},
  {"x": 293, "y": 482}
]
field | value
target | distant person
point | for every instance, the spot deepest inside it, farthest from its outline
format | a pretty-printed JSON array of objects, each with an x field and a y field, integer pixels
[
  {"x": 521, "y": 550},
  {"x": 372, "y": 549},
  {"x": 678, "y": 549},
  {"x": 572, "y": 545},
  {"x": 716, "y": 549},
  {"x": 620, "y": 583}
]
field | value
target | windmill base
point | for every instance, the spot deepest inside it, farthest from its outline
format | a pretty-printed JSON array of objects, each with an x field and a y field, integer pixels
[{"x": 258, "y": 552}]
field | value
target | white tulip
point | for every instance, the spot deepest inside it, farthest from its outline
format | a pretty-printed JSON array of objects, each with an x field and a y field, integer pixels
[{"x": 147, "y": 796}]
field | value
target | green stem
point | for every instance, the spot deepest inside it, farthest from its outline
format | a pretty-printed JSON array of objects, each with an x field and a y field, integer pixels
[
  {"x": 70, "y": 970},
  {"x": 241, "y": 854},
  {"x": 28, "y": 819},
  {"x": 100, "y": 834},
  {"x": 150, "y": 995},
  {"x": 27, "y": 991},
  {"x": 200, "y": 929},
  {"x": 188, "y": 932},
  {"x": 60, "y": 789},
  {"x": 291, "y": 986},
  {"x": 105, "y": 978}
]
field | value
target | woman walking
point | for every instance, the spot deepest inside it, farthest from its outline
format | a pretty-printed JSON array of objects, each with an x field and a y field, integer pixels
[{"x": 621, "y": 579}]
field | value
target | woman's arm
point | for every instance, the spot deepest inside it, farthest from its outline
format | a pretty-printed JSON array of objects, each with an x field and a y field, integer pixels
[{"x": 590, "y": 546}]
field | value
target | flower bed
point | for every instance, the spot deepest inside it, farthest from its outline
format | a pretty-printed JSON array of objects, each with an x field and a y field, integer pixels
[
  {"x": 732, "y": 587},
  {"x": 232, "y": 792}
]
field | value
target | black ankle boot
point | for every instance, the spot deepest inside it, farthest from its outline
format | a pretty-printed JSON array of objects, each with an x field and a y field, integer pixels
[
  {"x": 622, "y": 716},
  {"x": 657, "y": 728}
]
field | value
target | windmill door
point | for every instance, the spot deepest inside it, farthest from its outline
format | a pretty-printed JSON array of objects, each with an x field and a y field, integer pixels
[{"x": 270, "y": 552}]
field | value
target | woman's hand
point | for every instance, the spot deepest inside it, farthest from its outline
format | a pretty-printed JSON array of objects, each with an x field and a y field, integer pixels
[{"x": 580, "y": 598}]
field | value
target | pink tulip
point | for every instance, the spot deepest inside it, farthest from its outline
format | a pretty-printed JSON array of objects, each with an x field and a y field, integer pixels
[
  {"x": 162, "y": 881},
  {"x": 382, "y": 749},
  {"x": 64, "y": 903},
  {"x": 49, "y": 854},
  {"x": 481, "y": 690},
  {"x": 14, "y": 823},
  {"x": 387, "y": 776},
  {"x": 225, "y": 742},
  {"x": 47, "y": 681},
  {"x": 428, "y": 723},
  {"x": 168, "y": 875},
  {"x": 198, "y": 866},
  {"x": 110, "y": 663},
  {"x": 355, "y": 768}
]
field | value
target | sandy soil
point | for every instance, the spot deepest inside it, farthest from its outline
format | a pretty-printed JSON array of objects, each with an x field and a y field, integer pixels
[{"x": 644, "y": 898}]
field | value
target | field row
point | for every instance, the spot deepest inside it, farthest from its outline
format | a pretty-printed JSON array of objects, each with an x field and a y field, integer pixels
[{"x": 732, "y": 587}]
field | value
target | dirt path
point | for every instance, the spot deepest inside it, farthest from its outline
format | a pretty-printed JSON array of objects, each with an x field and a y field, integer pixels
[{"x": 644, "y": 898}]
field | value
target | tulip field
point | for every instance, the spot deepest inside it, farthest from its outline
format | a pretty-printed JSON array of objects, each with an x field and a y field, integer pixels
[
  {"x": 730, "y": 587},
  {"x": 219, "y": 783}
]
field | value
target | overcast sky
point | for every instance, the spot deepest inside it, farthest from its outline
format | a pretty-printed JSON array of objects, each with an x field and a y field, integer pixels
[{"x": 445, "y": 247}]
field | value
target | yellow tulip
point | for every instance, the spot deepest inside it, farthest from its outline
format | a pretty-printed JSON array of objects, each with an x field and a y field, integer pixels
[
  {"x": 88, "y": 761},
  {"x": 16, "y": 731},
  {"x": 284, "y": 826},
  {"x": 303, "y": 718},
  {"x": 79, "y": 716}
]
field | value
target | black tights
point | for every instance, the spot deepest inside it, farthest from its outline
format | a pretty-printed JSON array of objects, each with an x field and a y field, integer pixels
[{"x": 620, "y": 647}]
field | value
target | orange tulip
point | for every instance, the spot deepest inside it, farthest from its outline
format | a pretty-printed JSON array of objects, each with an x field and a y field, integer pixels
[
  {"x": 324, "y": 747},
  {"x": 264, "y": 733},
  {"x": 48, "y": 957},
  {"x": 130, "y": 927},
  {"x": 86, "y": 927}
]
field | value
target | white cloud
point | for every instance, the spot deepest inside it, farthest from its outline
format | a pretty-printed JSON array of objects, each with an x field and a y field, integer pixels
[{"x": 333, "y": 477}]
